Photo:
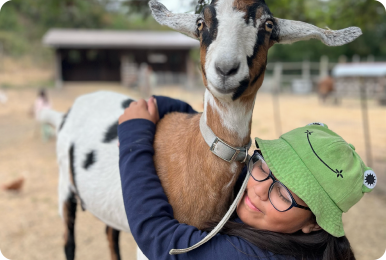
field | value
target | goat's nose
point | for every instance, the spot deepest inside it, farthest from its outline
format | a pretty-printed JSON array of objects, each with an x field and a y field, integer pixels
[{"x": 227, "y": 69}]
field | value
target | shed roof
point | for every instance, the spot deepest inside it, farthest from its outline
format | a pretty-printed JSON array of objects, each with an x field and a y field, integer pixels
[
  {"x": 73, "y": 38},
  {"x": 360, "y": 70}
]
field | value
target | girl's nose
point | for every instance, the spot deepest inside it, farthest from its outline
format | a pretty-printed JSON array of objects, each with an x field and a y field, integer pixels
[{"x": 261, "y": 189}]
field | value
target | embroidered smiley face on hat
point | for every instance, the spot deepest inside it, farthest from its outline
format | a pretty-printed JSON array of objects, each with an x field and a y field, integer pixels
[{"x": 369, "y": 178}]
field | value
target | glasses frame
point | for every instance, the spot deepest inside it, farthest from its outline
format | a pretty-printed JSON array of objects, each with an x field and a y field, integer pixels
[{"x": 274, "y": 180}]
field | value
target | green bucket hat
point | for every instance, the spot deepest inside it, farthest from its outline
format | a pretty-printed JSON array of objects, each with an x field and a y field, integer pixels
[{"x": 322, "y": 169}]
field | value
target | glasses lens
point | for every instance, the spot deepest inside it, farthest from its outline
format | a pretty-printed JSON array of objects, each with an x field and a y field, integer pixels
[
  {"x": 258, "y": 168},
  {"x": 280, "y": 197}
]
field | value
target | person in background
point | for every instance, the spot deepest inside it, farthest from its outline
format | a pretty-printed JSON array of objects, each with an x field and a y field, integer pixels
[
  {"x": 299, "y": 187},
  {"x": 41, "y": 103}
]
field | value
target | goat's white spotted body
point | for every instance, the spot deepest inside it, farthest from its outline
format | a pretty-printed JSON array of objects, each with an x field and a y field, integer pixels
[{"x": 98, "y": 186}]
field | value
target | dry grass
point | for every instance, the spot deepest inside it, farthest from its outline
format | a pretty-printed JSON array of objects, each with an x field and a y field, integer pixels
[
  {"x": 25, "y": 72},
  {"x": 29, "y": 222}
]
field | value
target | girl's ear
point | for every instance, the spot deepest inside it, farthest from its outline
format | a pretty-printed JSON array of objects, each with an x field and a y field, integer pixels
[{"x": 310, "y": 227}]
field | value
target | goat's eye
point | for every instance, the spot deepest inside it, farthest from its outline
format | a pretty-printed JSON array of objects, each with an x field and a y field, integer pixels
[
  {"x": 269, "y": 26},
  {"x": 200, "y": 25}
]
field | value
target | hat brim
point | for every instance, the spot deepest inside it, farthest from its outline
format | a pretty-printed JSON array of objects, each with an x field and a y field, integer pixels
[{"x": 289, "y": 169}]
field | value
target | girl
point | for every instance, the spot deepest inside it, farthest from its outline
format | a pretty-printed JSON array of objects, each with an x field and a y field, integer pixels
[{"x": 292, "y": 208}]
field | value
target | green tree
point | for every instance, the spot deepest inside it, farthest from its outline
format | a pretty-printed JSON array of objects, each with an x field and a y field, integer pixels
[
  {"x": 368, "y": 15},
  {"x": 24, "y": 22}
]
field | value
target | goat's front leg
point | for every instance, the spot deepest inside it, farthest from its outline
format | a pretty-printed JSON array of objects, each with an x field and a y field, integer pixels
[{"x": 113, "y": 238}]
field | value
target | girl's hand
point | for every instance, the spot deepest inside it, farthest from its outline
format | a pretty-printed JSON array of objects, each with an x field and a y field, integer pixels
[{"x": 141, "y": 110}]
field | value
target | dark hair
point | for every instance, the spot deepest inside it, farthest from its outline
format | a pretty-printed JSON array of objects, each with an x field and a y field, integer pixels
[
  {"x": 42, "y": 94},
  {"x": 315, "y": 245}
]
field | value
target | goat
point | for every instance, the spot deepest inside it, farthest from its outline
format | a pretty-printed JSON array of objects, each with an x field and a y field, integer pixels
[
  {"x": 326, "y": 89},
  {"x": 235, "y": 37}
]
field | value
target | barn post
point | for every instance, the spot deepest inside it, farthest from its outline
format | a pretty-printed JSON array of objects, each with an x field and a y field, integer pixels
[
  {"x": 306, "y": 77},
  {"x": 189, "y": 72},
  {"x": 58, "y": 72},
  {"x": 323, "y": 72},
  {"x": 365, "y": 119},
  {"x": 124, "y": 71},
  {"x": 277, "y": 73}
]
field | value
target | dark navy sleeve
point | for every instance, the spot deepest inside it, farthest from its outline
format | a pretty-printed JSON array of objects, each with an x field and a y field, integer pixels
[
  {"x": 167, "y": 105},
  {"x": 240, "y": 180},
  {"x": 149, "y": 213}
]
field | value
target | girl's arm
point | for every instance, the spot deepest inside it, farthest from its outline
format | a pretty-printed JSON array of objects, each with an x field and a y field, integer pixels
[
  {"x": 149, "y": 214},
  {"x": 167, "y": 105}
]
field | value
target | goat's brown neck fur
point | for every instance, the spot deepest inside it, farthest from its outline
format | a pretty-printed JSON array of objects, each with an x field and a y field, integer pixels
[{"x": 198, "y": 184}]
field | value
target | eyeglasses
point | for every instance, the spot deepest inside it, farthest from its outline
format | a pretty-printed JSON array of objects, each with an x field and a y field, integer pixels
[{"x": 279, "y": 195}]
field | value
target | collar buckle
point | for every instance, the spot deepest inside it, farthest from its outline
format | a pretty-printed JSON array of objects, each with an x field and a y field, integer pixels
[
  {"x": 220, "y": 148},
  {"x": 225, "y": 151}
]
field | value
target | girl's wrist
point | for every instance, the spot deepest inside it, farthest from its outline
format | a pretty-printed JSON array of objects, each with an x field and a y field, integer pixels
[{"x": 136, "y": 129}]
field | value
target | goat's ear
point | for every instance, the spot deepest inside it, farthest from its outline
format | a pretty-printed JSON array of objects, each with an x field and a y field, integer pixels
[
  {"x": 293, "y": 31},
  {"x": 183, "y": 23}
]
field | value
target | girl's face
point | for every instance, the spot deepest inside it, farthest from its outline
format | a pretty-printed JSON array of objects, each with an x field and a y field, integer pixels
[{"x": 256, "y": 210}]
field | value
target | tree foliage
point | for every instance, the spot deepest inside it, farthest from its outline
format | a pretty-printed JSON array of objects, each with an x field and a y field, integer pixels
[
  {"x": 137, "y": 7},
  {"x": 369, "y": 15},
  {"x": 24, "y": 22}
]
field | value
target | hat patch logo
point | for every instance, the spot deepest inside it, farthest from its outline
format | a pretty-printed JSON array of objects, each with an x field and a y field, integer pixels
[
  {"x": 370, "y": 179},
  {"x": 337, "y": 172}
]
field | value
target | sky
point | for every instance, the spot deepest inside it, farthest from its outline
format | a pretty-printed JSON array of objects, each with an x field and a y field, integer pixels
[
  {"x": 180, "y": 6},
  {"x": 176, "y": 6}
]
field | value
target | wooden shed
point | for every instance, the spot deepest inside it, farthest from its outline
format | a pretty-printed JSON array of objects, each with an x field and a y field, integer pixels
[{"x": 106, "y": 55}]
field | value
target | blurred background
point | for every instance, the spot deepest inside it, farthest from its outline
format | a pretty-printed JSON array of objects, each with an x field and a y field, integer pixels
[{"x": 51, "y": 52}]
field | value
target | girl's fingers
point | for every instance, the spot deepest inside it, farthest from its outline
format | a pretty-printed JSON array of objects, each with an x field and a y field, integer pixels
[
  {"x": 142, "y": 103},
  {"x": 152, "y": 107}
]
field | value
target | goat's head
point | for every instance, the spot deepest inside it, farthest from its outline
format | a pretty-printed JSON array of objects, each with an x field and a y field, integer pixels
[{"x": 235, "y": 36}]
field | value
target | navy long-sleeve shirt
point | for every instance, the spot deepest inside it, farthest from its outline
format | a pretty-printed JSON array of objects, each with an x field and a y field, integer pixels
[{"x": 148, "y": 211}]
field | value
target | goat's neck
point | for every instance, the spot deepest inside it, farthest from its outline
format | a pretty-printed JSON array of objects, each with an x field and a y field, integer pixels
[
  {"x": 186, "y": 166},
  {"x": 229, "y": 120}
]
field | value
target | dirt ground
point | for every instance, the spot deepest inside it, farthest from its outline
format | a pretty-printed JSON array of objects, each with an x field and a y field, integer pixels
[{"x": 30, "y": 227}]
